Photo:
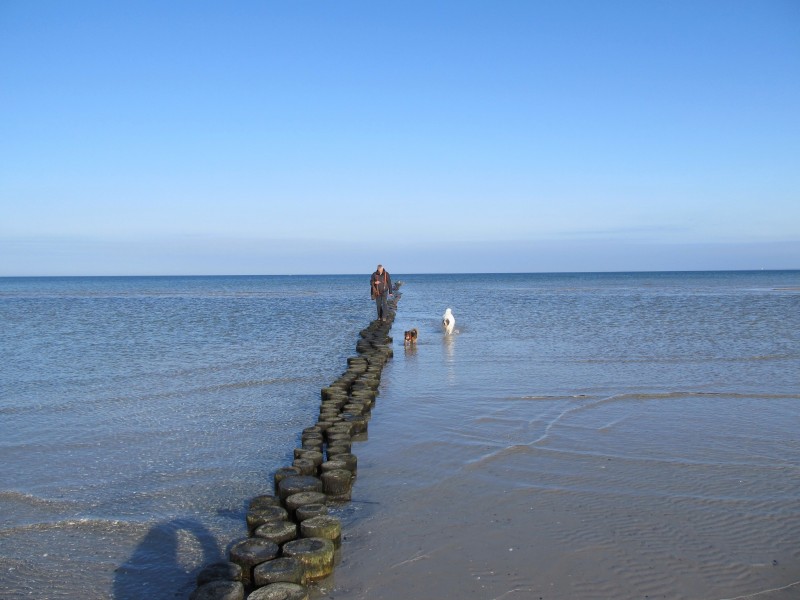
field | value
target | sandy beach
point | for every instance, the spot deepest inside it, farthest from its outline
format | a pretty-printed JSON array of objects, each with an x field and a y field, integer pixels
[{"x": 682, "y": 496}]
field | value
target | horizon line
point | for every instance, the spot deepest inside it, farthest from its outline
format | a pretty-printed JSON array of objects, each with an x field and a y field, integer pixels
[{"x": 365, "y": 273}]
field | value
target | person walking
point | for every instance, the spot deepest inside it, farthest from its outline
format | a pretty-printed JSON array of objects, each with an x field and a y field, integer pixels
[{"x": 380, "y": 288}]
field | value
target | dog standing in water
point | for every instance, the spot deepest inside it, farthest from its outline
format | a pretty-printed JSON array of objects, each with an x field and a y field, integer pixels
[
  {"x": 448, "y": 321},
  {"x": 411, "y": 337}
]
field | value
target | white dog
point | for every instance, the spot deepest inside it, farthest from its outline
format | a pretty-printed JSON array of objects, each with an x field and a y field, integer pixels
[{"x": 448, "y": 321}]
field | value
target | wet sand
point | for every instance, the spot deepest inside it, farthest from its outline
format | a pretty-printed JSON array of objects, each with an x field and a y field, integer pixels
[{"x": 677, "y": 495}]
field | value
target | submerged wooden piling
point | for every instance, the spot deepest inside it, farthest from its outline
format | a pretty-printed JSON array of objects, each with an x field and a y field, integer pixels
[{"x": 293, "y": 541}]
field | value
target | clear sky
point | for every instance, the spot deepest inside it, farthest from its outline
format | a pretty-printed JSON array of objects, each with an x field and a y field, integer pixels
[{"x": 272, "y": 137}]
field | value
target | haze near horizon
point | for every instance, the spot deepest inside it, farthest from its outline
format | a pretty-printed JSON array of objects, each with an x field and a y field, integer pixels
[{"x": 313, "y": 138}]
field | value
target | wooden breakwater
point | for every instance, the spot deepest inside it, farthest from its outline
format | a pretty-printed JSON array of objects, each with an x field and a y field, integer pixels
[{"x": 292, "y": 540}]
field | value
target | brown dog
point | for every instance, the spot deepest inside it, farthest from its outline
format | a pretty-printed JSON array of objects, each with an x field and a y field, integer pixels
[{"x": 411, "y": 336}]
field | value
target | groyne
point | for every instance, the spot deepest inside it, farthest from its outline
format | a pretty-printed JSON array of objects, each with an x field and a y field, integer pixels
[{"x": 292, "y": 541}]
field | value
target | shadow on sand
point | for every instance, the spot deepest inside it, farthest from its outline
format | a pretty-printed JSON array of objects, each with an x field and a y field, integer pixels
[{"x": 155, "y": 570}]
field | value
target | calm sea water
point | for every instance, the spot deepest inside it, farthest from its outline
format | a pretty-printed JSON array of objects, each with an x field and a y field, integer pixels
[{"x": 138, "y": 415}]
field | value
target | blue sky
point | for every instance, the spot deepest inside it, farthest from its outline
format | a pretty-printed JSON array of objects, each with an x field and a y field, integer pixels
[{"x": 324, "y": 137}]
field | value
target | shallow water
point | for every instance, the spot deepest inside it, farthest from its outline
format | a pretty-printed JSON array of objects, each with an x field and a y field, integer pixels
[
  {"x": 592, "y": 435},
  {"x": 140, "y": 414}
]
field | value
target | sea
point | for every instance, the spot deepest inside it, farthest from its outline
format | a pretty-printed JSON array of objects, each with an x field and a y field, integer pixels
[{"x": 138, "y": 415}]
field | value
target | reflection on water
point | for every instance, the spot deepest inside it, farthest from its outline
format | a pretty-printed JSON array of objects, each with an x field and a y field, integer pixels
[
  {"x": 449, "y": 346},
  {"x": 409, "y": 350},
  {"x": 449, "y": 343}
]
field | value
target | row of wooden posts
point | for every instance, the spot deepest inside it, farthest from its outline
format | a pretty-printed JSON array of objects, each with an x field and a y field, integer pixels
[{"x": 293, "y": 541}]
